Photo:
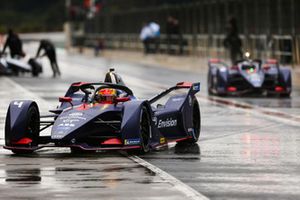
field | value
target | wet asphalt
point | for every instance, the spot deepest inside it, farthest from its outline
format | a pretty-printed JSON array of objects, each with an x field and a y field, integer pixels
[{"x": 240, "y": 155}]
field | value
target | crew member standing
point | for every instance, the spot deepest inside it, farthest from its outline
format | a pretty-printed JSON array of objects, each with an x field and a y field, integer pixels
[
  {"x": 49, "y": 49},
  {"x": 14, "y": 44},
  {"x": 155, "y": 29},
  {"x": 233, "y": 42},
  {"x": 145, "y": 36}
]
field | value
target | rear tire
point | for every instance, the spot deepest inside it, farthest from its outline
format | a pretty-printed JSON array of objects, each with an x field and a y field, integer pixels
[
  {"x": 15, "y": 72},
  {"x": 287, "y": 95},
  {"x": 209, "y": 85},
  {"x": 196, "y": 124},
  {"x": 35, "y": 67}
]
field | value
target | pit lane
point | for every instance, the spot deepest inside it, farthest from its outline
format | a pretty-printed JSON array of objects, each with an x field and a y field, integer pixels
[{"x": 240, "y": 155}]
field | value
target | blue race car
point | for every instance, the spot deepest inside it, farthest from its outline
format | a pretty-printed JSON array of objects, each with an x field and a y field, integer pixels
[
  {"x": 106, "y": 116},
  {"x": 249, "y": 76}
]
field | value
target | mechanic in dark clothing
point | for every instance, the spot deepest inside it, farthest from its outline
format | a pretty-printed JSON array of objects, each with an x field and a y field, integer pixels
[
  {"x": 174, "y": 36},
  {"x": 15, "y": 45},
  {"x": 49, "y": 49},
  {"x": 233, "y": 42}
]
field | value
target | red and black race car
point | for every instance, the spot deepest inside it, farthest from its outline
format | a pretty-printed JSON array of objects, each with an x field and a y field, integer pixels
[{"x": 106, "y": 116}]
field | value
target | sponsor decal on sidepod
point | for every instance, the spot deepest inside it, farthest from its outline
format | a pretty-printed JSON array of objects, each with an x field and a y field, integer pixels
[{"x": 169, "y": 122}]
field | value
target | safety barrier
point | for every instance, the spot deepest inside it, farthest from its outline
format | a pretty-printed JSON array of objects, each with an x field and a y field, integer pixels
[{"x": 282, "y": 47}]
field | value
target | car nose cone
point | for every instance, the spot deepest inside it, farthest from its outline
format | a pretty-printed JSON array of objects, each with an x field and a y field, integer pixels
[{"x": 256, "y": 80}]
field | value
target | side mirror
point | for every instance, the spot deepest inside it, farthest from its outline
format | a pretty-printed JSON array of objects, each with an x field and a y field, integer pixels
[{"x": 65, "y": 99}]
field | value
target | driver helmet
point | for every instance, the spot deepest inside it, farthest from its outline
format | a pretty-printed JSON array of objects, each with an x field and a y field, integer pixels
[{"x": 107, "y": 95}]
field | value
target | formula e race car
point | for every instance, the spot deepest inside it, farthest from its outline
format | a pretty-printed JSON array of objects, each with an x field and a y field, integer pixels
[
  {"x": 15, "y": 66},
  {"x": 249, "y": 76},
  {"x": 106, "y": 116}
]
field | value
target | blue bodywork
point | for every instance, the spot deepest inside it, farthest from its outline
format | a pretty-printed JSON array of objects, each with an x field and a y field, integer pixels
[
  {"x": 82, "y": 123},
  {"x": 248, "y": 76}
]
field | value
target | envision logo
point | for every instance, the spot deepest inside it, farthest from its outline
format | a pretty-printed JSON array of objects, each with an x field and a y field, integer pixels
[
  {"x": 167, "y": 123},
  {"x": 75, "y": 114}
]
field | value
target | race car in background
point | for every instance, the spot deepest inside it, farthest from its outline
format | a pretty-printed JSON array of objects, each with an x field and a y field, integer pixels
[
  {"x": 247, "y": 77},
  {"x": 15, "y": 66},
  {"x": 106, "y": 116}
]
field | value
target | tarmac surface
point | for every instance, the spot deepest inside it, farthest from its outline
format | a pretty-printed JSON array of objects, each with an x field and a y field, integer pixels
[{"x": 249, "y": 148}]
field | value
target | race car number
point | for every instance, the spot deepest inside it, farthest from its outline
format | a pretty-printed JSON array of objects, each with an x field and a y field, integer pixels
[{"x": 18, "y": 103}]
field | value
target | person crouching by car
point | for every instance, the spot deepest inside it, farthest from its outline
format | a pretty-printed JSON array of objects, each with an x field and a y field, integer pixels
[
  {"x": 14, "y": 44},
  {"x": 49, "y": 51}
]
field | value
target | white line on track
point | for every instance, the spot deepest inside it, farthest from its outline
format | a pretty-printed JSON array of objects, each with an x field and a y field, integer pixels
[{"x": 180, "y": 186}]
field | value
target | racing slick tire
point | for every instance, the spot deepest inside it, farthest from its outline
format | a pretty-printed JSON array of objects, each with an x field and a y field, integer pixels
[
  {"x": 31, "y": 128},
  {"x": 196, "y": 124},
  {"x": 285, "y": 95},
  {"x": 15, "y": 72},
  {"x": 145, "y": 132},
  {"x": 35, "y": 67},
  {"x": 209, "y": 84},
  {"x": 210, "y": 89}
]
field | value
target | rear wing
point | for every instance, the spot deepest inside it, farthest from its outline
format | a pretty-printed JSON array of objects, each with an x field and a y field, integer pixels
[{"x": 193, "y": 89}]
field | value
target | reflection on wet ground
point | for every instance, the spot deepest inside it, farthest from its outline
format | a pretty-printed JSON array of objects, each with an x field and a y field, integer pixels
[
  {"x": 61, "y": 175},
  {"x": 257, "y": 146},
  {"x": 182, "y": 148},
  {"x": 269, "y": 102},
  {"x": 242, "y": 157},
  {"x": 181, "y": 151},
  {"x": 23, "y": 176}
]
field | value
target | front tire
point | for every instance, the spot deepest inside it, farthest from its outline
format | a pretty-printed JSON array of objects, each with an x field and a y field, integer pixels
[
  {"x": 209, "y": 84},
  {"x": 145, "y": 130},
  {"x": 31, "y": 130}
]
